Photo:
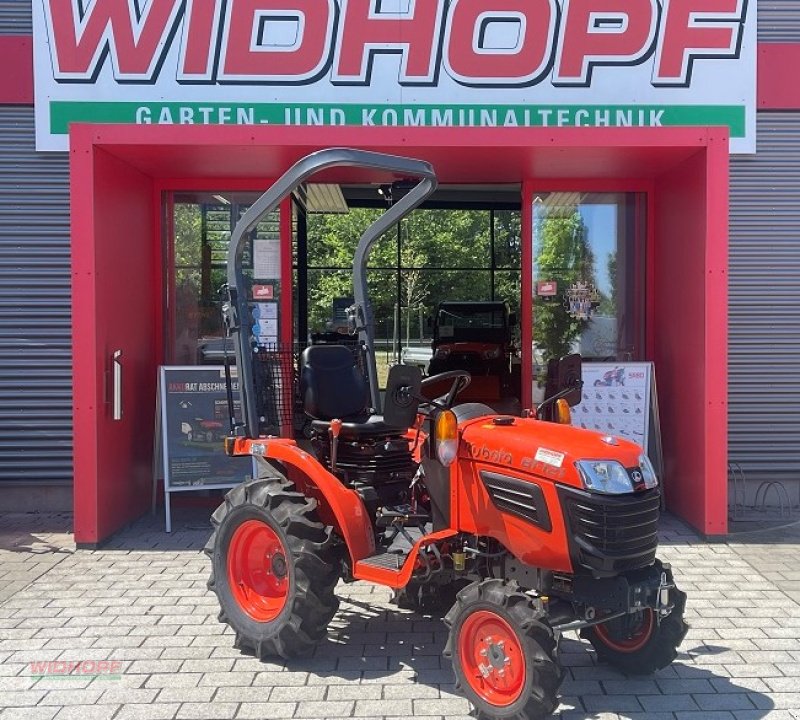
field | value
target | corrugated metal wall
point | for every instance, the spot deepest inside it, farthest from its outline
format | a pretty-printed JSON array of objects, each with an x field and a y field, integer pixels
[
  {"x": 15, "y": 17},
  {"x": 764, "y": 347},
  {"x": 35, "y": 337},
  {"x": 778, "y": 20}
]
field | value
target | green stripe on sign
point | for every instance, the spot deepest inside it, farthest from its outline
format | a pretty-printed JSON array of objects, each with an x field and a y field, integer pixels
[{"x": 62, "y": 113}]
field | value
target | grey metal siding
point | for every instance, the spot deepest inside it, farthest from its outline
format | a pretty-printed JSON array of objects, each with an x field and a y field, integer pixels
[
  {"x": 35, "y": 330},
  {"x": 16, "y": 17},
  {"x": 778, "y": 20},
  {"x": 764, "y": 345}
]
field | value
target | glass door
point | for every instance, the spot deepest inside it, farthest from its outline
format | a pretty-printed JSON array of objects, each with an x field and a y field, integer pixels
[{"x": 588, "y": 276}]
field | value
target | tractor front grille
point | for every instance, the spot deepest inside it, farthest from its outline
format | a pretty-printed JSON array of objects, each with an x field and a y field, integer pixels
[{"x": 609, "y": 534}]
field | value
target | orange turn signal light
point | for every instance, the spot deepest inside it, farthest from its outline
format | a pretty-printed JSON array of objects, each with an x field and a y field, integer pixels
[
  {"x": 563, "y": 413},
  {"x": 445, "y": 432}
]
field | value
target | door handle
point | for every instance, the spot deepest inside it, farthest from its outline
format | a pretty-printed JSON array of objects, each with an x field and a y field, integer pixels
[{"x": 117, "y": 380}]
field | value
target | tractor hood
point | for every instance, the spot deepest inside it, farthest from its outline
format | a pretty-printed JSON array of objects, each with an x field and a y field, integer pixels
[{"x": 541, "y": 448}]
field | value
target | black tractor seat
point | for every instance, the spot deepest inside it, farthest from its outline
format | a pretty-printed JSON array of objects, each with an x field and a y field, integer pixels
[
  {"x": 333, "y": 386},
  {"x": 371, "y": 428}
]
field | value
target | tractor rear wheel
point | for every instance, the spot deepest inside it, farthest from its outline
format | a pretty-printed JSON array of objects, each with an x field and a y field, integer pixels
[
  {"x": 503, "y": 652},
  {"x": 273, "y": 568},
  {"x": 641, "y": 645}
]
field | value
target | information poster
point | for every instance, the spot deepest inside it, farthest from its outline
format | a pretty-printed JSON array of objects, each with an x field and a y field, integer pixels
[
  {"x": 267, "y": 259},
  {"x": 194, "y": 420},
  {"x": 265, "y": 322},
  {"x": 616, "y": 400}
]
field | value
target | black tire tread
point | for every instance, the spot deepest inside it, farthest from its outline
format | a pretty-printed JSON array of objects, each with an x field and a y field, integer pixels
[
  {"x": 316, "y": 569},
  {"x": 659, "y": 652},
  {"x": 532, "y": 623}
]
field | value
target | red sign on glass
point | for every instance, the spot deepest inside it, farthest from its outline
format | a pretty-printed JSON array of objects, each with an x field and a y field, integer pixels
[
  {"x": 547, "y": 288},
  {"x": 263, "y": 292}
]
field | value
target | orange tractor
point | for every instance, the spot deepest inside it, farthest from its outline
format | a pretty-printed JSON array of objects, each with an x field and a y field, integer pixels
[{"x": 532, "y": 527}]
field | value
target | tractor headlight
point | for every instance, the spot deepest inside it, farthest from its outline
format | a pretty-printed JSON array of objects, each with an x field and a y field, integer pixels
[
  {"x": 442, "y": 353},
  {"x": 604, "y": 476},
  {"x": 648, "y": 472},
  {"x": 492, "y": 354}
]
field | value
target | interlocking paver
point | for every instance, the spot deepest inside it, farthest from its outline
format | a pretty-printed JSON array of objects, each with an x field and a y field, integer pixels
[
  {"x": 186, "y": 695},
  {"x": 261, "y": 710},
  {"x": 16, "y": 682},
  {"x": 447, "y": 706},
  {"x": 373, "y": 692},
  {"x": 334, "y": 708},
  {"x": 291, "y": 694},
  {"x": 37, "y": 713},
  {"x": 119, "y": 695},
  {"x": 244, "y": 694},
  {"x": 207, "y": 711},
  {"x": 143, "y": 601},
  {"x": 143, "y": 711}
]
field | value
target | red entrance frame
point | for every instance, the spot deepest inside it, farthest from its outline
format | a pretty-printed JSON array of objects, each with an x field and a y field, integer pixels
[{"x": 119, "y": 172}]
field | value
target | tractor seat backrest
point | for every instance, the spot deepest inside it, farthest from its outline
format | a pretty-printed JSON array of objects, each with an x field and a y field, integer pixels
[{"x": 331, "y": 384}]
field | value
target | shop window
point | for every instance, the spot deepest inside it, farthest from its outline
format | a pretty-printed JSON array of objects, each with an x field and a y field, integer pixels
[
  {"x": 507, "y": 242},
  {"x": 432, "y": 256},
  {"x": 335, "y": 237},
  {"x": 588, "y": 276},
  {"x": 200, "y": 230},
  {"x": 447, "y": 239}
]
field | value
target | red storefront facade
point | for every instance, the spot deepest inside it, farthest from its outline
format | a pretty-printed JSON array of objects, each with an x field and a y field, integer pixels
[{"x": 120, "y": 175}]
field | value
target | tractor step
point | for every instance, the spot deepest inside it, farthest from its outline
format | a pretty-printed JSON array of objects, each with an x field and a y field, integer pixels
[
  {"x": 392, "y": 566},
  {"x": 385, "y": 561}
]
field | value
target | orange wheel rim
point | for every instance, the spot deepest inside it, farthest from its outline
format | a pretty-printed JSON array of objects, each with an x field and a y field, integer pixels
[
  {"x": 492, "y": 658},
  {"x": 637, "y": 639},
  {"x": 258, "y": 571}
]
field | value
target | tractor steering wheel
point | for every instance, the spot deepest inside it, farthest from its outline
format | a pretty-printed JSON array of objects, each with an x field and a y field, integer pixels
[{"x": 461, "y": 379}]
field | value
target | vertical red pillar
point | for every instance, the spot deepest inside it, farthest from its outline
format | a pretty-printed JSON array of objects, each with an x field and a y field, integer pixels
[{"x": 526, "y": 296}]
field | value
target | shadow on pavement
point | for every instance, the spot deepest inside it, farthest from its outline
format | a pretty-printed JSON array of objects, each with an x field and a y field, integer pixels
[
  {"x": 782, "y": 531},
  {"x": 36, "y": 533},
  {"x": 371, "y": 643}
]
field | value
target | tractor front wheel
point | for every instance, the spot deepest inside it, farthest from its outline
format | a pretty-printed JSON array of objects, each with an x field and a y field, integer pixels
[
  {"x": 640, "y": 644},
  {"x": 503, "y": 652},
  {"x": 273, "y": 569}
]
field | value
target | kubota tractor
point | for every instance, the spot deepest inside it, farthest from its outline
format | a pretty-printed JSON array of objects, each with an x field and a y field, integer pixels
[{"x": 534, "y": 528}]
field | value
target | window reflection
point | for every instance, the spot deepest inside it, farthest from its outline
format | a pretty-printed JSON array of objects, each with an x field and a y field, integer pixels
[{"x": 588, "y": 271}]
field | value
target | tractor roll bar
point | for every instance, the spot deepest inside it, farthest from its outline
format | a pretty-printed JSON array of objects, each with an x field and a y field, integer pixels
[{"x": 236, "y": 310}]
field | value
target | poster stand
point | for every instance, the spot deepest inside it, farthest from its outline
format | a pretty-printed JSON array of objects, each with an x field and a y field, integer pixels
[
  {"x": 620, "y": 399},
  {"x": 191, "y": 421}
]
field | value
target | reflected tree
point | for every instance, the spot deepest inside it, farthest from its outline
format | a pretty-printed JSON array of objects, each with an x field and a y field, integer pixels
[{"x": 562, "y": 255}]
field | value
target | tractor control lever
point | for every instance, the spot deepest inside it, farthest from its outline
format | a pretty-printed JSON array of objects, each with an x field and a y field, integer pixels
[{"x": 333, "y": 430}]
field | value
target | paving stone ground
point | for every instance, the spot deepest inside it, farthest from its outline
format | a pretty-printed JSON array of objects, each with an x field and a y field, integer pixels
[{"x": 140, "y": 605}]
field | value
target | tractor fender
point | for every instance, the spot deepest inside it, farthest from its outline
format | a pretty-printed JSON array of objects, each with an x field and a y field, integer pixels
[{"x": 337, "y": 505}]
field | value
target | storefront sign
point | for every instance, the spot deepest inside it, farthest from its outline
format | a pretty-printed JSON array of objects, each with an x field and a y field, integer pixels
[
  {"x": 192, "y": 420},
  {"x": 498, "y": 63}
]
